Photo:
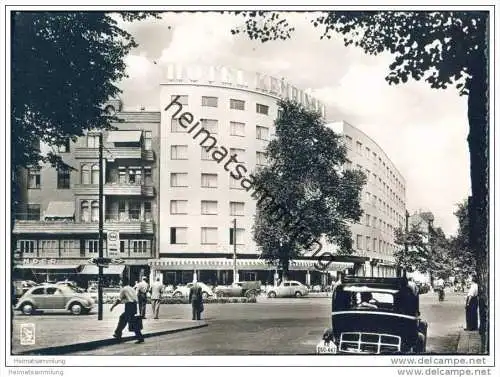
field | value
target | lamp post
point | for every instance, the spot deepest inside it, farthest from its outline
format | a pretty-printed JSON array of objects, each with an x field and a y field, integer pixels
[
  {"x": 235, "y": 270},
  {"x": 101, "y": 233}
]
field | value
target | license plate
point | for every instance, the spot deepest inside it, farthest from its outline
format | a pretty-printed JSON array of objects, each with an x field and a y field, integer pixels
[{"x": 324, "y": 348}]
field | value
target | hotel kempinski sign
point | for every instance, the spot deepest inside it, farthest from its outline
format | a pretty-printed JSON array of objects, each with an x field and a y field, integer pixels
[{"x": 230, "y": 77}]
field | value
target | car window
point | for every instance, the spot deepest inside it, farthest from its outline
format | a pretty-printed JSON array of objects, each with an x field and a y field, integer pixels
[
  {"x": 295, "y": 284},
  {"x": 38, "y": 291},
  {"x": 286, "y": 284}
]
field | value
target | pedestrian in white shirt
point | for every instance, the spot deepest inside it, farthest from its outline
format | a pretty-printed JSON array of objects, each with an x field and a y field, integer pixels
[
  {"x": 471, "y": 306},
  {"x": 156, "y": 291},
  {"x": 142, "y": 291},
  {"x": 128, "y": 297}
]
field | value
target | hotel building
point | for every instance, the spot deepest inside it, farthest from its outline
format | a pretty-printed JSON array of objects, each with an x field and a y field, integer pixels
[{"x": 184, "y": 213}]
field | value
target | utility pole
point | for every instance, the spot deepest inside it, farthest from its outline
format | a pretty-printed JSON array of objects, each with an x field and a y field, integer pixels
[
  {"x": 431, "y": 241},
  {"x": 101, "y": 232},
  {"x": 407, "y": 217},
  {"x": 235, "y": 270}
]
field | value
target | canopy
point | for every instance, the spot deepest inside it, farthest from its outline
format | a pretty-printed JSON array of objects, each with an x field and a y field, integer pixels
[
  {"x": 60, "y": 210},
  {"x": 113, "y": 269},
  {"x": 124, "y": 136},
  {"x": 49, "y": 266}
]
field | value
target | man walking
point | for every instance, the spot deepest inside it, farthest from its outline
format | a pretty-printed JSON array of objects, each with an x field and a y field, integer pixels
[
  {"x": 156, "y": 291},
  {"x": 471, "y": 304},
  {"x": 196, "y": 300},
  {"x": 142, "y": 291},
  {"x": 128, "y": 297}
]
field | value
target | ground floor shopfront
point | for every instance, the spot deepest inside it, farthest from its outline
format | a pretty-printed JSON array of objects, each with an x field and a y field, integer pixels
[{"x": 78, "y": 270}]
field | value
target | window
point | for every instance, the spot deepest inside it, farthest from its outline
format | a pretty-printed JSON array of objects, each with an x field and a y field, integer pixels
[
  {"x": 348, "y": 165},
  {"x": 234, "y": 183},
  {"x": 84, "y": 211},
  {"x": 348, "y": 141},
  {"x": 367, "y": 219},
  {"x": 211, "y": 125},
  {"x": 92, "y": 140},
  {"x": 94, "y": 179},
  {"x": 26, "y": 246},
  {"x": 359, "y": 147},
  {"x": 183, "y": 100},
  {"x": 134, "y": 210},
  {"x": 368, "y": 239},
  {"x": 374, "y": 245},
  {"x": 85, "y": 175},
  {"x": 367, "y": 196},
  {"x": 140, "y": 246},
  {"x": 209, "y": 236},
  {"x": 261, "y": 158},
  {"x": 236, "y": 104},
  {"x": 69, "y": 246},
  {"x": 236, "y": 208},
  {"x": 33, "y": 212},
  {"x": 359, "y": 242},
  {"x": 38, "y": 291},
  {"x": 94, "y": 211},
  {"x": 176, "y": 127},
  {"x": 240, "y": 233},
  {"x": 178, "y": 180},
  {"x": 209, "y": 207},
  {"x": 237, "y": 128},
  {"x": 148, "y": 140},
  {"x": 63, "y": 178},
  {"x": 92, "y": 246},
  {"x": 33, "y": 178},
  {"x": 209, "y": 101},
  {"x": 359, "y": 167},
  {"x": 280, "y": 113},
  {"x": 379, "y": 246},
  {"x": 209, "y": 180},
  {"x": 374, "y": 224},
  {"x": 240, "y": 154},
  {"x": 148, "y": 175},
  {"x": 206, "y": 154},
  {"x": 178, "y": 236},
  {"x": 64, "y": 148},
  {"x": 367, "y": 150},
  {"x": 178, "y": 152},
  {"x": 122, "y": 210},
  {"x": 148, "y": 215},
  {"x": 262, "y": 133},
  {"x": 49, "y": 247},
  {"x": 262, "y": 109}
]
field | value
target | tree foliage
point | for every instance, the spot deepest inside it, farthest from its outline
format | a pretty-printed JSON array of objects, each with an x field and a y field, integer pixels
[
  {"x": 65, "y": 66},
  {"x": 307, "y": 193},
  {"x": 461, "y": 249}
]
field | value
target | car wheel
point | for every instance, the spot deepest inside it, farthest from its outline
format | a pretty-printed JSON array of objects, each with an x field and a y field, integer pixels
[
  {"x": 27, "y": 309},
  {"x": 204, "y": 295},
  {"x": 298, "y": 294},
  {"x": 271, "y": 294},
  {"x": 76, "y": 309},
  {"x": 177, "y": 294}
]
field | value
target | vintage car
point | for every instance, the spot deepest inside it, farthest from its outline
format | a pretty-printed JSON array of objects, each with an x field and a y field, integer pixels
[
  {"x": 289, "y": 288},
  {"x": 21, "y": 287},
  {"x": 183, "y": 290},
  {"x": 239, "y": 289},
  {"x": 55, "y": 297},
  {"x": 374, "y": 316}
]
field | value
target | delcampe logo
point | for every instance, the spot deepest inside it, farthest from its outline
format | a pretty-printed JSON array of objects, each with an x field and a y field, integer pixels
[{"x": 27, "y": 334}]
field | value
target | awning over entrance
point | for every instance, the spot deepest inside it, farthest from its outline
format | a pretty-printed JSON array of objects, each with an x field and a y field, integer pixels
[
  {"x": 113, "y": 269},
  {"x": 241, "y": 264},
  {"x": 49, "y": 266},
  {"x": 60, "y": 210},
  {"x": 124, "y": 136}
]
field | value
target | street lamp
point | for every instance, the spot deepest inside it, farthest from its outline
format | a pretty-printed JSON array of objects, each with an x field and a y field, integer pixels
[
  {"x": 235, "y": 270},
  {"x": 101, "y": 233}
]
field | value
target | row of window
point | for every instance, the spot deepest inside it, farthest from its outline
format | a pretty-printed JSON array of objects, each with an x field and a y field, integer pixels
[
  {"x": 234, "y": 104},
  {"x": 208, "y": 180},
  {"x": 49, "y": 248},
  {"x": 212, "y": 126},
  {"x": 373, "y": 244},
  {"x": 180, "y": 152},
  {"x": 93, "y": 140},
  {"x": 377, "y": 223},
  {"x": 377, "y": 160},
  {"x": 384, "y": 207},
  {"x": 208, "y": 236},
  {"x": 208, "y": 207}
]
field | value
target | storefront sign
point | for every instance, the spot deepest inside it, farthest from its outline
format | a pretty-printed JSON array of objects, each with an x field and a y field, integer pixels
[
  {"x": 113, "y": 243},
  {"x": 36, "y": 261}
]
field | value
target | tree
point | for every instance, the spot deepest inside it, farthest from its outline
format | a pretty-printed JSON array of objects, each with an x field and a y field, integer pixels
[
  {"x": 307, "y": 194},
  {"x": 460, "y": 247},
  {"x": 443, "y": 48}
]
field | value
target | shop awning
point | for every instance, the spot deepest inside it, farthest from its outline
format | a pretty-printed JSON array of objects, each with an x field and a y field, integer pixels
[
  {"x": 60, "y": 210},
  {"x": 124, "y": 136},
  {"x": 49, "y": 266},
  {"x": 113, "y": 269}
]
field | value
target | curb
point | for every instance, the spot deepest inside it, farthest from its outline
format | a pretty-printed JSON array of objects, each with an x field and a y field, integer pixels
[
  {"x": 469, "y": 342},
  {"x": 88, "y": 346}
]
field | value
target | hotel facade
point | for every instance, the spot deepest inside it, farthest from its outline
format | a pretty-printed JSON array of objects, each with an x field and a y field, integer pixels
[{"x": 166, "y": 192}]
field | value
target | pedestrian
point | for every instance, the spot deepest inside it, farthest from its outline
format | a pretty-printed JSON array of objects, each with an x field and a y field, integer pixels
[
  {"x": 128, "y": 297},
  {"x": 156, "y": 291},
  {"x": 142, "y": 292},
  {"x": 413, "y": 286},
  {"x": 196, "y": 301},
  {"x": 471, "y": 305}
]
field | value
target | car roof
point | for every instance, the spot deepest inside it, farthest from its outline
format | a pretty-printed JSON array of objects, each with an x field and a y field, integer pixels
[{"x": 373, "y": 282}]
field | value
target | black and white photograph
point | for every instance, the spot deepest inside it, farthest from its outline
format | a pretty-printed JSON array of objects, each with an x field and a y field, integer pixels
[{"x": 249, "y": 185}]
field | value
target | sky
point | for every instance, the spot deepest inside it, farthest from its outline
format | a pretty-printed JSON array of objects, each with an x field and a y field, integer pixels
[{"x": 422, "y": 130}]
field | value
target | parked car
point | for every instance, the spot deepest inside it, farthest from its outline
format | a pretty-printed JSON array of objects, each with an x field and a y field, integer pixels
[
  {"x": 55, "y": 297},
  {"x": 183, "y": 290},
  {"x": 288, "y": 289},
  {"x": 239, "y": 289},
  {"x": 375, "y": 316}
]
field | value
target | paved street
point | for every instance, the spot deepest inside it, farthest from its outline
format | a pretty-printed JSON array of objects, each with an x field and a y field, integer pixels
[{"x": 277, "y": 326}]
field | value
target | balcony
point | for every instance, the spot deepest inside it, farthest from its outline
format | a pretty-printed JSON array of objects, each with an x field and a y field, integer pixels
[
  {"x": 129, "y": 189},
  {"x": 71, "y": 227},
  {"x": 116, "y": 153}
]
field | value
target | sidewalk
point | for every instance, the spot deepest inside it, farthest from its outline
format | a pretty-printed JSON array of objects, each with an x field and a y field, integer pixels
[
  {"x": 62, "y": 334},
  {"x": 469, "y": 342}
]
